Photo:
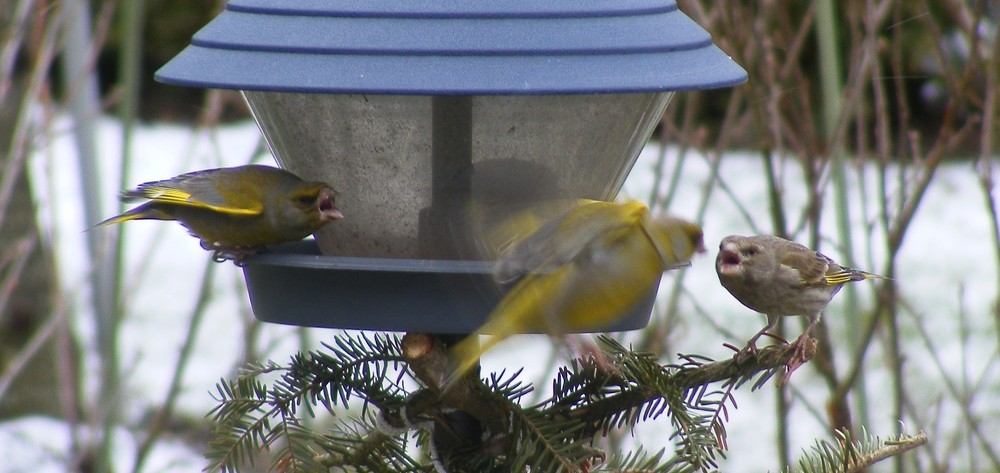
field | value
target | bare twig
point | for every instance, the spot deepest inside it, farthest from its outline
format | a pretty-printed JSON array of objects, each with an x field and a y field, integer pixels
[
  {"x": 13, "y": 164},
  {"x": 10, "y": 44},
  {"x": 12, "y": 263},
  {"x": 162, "y": 417}
]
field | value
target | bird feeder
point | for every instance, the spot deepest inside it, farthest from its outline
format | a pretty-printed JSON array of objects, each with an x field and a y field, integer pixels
[{"x": 427, "y": 116}]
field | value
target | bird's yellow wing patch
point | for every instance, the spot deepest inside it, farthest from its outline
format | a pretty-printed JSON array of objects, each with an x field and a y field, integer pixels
[
  {"x": 170, "y": 195},
  {"x": 842, "y": 277}
]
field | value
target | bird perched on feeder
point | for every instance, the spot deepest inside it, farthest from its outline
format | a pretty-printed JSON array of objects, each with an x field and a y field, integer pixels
[
  {"x": 236, "y": 211},
  {"x": 582, "y": 271},
  {"x": 777, "y": 277}
]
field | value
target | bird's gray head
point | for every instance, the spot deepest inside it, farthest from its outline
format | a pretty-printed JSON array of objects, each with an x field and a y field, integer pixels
[{"x": 734, "y": 252}]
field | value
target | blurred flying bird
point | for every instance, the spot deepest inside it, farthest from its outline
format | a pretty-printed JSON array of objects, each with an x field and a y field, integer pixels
[{"x": 582, "y": 271}]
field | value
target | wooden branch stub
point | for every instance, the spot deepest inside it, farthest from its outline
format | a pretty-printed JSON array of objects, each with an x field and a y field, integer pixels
[
  {"x": 417, "y": 345},
  {"x": 429, "y": 359}
]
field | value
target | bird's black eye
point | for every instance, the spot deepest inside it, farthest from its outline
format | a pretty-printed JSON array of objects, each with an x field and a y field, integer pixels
[
  {"x": 749, "y": 251},
  {"x": 306, "y": 199}
]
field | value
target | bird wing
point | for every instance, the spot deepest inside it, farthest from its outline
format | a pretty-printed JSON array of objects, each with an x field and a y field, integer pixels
[
  {"x": 817, "y": 269},
  {"x": 220, "y": 190},
  {"x": 811, "y": 266},
  {"x": 564, "y": 238}
]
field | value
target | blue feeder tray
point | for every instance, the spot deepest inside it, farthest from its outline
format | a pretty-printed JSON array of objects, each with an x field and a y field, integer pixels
[{"x": 294, "y": 284}]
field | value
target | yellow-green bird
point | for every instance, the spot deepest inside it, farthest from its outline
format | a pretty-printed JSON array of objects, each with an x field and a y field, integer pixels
[
  {"x": 582, "y": 271},
  {"x": 235, "y": 211}
]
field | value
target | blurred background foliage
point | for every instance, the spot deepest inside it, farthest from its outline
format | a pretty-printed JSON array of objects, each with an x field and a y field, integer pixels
[{"x": 168, "y": 26}]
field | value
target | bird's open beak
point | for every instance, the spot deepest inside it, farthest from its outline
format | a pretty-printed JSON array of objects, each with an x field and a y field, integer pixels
[
  {"x": 729, "y": 257},
  {"x": 728, "y": 261},
  {"x": 327, "y": 210}
]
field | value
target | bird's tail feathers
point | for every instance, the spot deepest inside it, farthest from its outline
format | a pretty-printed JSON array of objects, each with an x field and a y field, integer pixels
[
  {"x": 130, "y": 215},
  {"x": 846, "y": 275},
  {"x": 860, "y": 275},
  {"x": 467, "y": 353},
  {"x": 142, "y": 212},
  {"x": 868, "y": 275}
]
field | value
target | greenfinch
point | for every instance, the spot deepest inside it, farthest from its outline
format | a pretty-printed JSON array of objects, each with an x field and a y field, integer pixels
[
  {"x": 581, "y": 271},
  {"x": 236, "y": 211},
  {"x": 776, "y": 277},
  {"x": 497, "y": 231}
]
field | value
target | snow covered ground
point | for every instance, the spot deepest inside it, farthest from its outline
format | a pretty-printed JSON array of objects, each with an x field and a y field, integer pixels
[{"x": 946, "y": 268}]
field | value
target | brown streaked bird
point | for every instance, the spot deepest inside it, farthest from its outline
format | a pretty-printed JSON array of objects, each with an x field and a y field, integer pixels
[{"x": 777, "y": 277}]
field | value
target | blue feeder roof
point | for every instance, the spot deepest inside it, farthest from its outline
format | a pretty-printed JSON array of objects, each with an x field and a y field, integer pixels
[{"x": 452, "y": 47}]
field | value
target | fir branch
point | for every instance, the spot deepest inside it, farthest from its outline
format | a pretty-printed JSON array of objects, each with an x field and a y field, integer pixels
[
  {"x": 295, "y": 453},
  {"x": 640, "y": 461},
  {"x": 252, "y": 417},
  {"x": 549, "y": 445},
  {"x": 517, "y": 437},
  {"x": 361, "y": 447},
  {"x": 472, "y": 425},
  {"x": 847, "y": 456},
  {"x": 692, "y": 375},
  {"x": 643, "y": 390},
  {"x": 764, "y": 364}
]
